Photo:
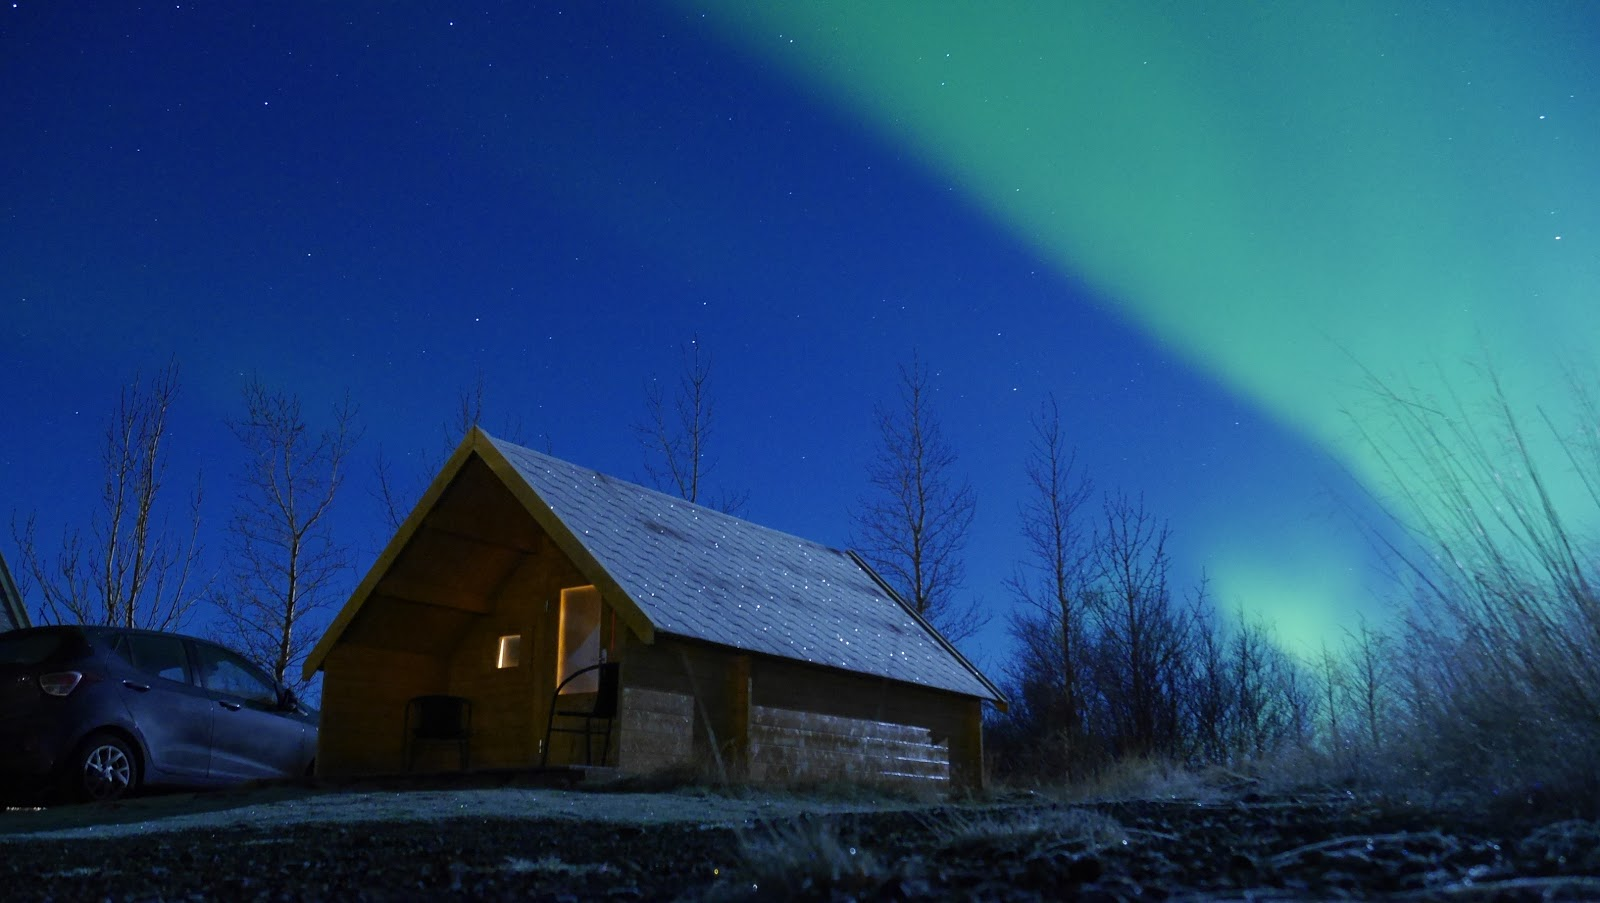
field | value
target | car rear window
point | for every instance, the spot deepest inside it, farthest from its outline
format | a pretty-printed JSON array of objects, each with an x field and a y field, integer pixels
[
  {"x": 158, "y": 656},
  {"x": 31, "y": 647}
]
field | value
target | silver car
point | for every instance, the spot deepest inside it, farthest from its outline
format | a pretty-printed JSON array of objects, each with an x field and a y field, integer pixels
[{"x": 98, "y": 712}]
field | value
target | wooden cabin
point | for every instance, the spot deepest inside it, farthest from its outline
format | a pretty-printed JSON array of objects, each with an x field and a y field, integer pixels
[
  {"x": 13, "y": 614},
  {"x": 742, "y": 653}
]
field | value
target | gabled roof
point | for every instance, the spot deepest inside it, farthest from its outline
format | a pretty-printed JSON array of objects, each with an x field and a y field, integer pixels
[
  {"x": 12, "y": 613},
  {"x": 676, "y": 568}
]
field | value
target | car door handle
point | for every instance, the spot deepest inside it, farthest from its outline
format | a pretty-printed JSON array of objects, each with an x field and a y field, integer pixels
[
  {"x": 142, "y": 688},
  {"x": 230, "y": 706}
]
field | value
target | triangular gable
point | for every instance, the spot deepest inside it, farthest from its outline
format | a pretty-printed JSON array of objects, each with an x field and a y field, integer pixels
[{"x": 476, "y": 444}]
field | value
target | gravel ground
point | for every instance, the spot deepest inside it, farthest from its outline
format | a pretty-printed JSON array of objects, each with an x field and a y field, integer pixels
[{"x": 519, "y": 842}]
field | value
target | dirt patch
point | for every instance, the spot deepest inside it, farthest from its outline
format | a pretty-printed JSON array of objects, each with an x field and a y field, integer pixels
[{"x": 529, "y": 843}]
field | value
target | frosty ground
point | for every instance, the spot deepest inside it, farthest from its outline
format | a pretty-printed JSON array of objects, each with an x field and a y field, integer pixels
[{"x": 510, "y": 840}]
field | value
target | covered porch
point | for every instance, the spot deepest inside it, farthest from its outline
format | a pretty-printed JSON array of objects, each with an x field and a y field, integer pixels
[{"x": 475, "y": 600}]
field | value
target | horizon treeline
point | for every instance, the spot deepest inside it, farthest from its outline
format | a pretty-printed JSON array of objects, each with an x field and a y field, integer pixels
[
  {"x": 1485, "y": 687},
  {"x": 1488, "y": 680}
]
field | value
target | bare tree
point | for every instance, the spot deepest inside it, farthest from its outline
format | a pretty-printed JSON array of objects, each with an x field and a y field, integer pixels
[
  {"x": 1144, "y": 639},
  {"x": 1251, "y": 661},
  {"x": 1030, "y": 739},
  {"x": 1209, "y": 696},
  {"x": 131, "y": 570},
  {"x": 286, "y": 557},
  {"x": 1269, "y": 691},
  {"x": 1369, "y": 682},
  {"x": 1297, "y": 695},
  {"x": 395, "y": 495},
  {"x": 1332, "y": 683},
  {"x": 386, "y": 492},
  {"x": 1055, "y": 580},
  {"x": 677, "y": 435},
  {"x": 913, "y": 525}
]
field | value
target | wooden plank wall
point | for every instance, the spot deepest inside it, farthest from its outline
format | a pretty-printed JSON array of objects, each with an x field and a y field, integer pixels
[
  {"x": 736, "y": 716},
  {"x": 814, "y": 723},
  {"x": 365, "y": 689},
  {"x": 655, "y": 733},
  {"x": 510, "y": 705},
  {"x": 720, "y": 713},
  {"x": 502, "y": 698},
  {"x": 362, "y": 689},
  {"x": 675, "y": 711},
  {"x": 787, "y": 745}
]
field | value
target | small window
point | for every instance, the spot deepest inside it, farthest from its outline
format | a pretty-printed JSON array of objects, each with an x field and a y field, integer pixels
[{"x": 510, "y": 652}]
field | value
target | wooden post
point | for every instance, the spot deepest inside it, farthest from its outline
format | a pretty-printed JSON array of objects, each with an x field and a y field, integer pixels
[
  {"x": 966, "y": 751},
  {"x": 738, "y": 740}
]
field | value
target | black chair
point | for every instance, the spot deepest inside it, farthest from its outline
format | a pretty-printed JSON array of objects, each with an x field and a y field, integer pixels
[
  {"x": 438, "y": 719},
  {"x": 604, "y": 709}
]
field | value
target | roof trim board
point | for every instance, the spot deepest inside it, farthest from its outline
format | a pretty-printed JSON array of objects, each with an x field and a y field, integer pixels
[
  {"x": 999, "y": 698},
  {"x": 11, "y": 599}
]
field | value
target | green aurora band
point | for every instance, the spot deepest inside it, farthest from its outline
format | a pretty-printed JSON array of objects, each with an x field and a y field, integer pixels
[{"x": 1283, "y": 194}]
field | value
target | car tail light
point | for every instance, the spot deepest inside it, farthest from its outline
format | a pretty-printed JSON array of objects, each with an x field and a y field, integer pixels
[{"x": 60, "y": 683}]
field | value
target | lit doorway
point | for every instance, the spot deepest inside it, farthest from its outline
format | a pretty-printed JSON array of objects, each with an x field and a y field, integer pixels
[{"x": 578, "y": 640}]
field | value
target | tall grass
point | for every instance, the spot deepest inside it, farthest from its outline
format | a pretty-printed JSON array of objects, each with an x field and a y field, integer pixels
[{"x": 1497, "y": 668}]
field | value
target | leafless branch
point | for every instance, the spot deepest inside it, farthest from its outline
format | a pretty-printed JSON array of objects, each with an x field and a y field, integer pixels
[
  {"x": 286, "y": 559},
  {"x": 677, "y": 434},
  {"x": 130, "y": 570},
  {"x": 913, "y": 524}
]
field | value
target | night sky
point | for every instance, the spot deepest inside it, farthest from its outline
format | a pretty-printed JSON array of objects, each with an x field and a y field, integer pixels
[{"x": 1194, "y": 224}]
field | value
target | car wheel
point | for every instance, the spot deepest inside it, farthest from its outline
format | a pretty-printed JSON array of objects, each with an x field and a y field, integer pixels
[{"x": 104, "y": 769}]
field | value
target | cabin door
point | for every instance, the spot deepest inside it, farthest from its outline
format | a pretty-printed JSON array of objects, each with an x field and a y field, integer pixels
[
  {"x": 578, "y": 639},
  {"x": 578, "y": 646}
]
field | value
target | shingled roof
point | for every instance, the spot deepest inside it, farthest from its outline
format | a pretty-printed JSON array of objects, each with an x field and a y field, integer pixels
[{"x": 697, "y": 573}]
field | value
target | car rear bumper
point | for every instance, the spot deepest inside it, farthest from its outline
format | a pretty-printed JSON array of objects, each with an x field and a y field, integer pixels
[{"x": 31, "y": 750}]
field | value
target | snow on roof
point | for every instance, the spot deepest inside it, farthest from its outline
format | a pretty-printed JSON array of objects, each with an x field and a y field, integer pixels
[{"x": 701, "y": 574}]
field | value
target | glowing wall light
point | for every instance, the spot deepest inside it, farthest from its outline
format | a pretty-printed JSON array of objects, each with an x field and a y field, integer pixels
[{"x": 510, "y": 654}]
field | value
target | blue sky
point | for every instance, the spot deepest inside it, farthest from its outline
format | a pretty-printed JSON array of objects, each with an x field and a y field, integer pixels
[{"x": 1189, "y": 224}]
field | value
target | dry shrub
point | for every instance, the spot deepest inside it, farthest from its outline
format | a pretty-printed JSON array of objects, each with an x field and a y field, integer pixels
[
  {"x": 805, "y": 859},
  {"x": 1142, "y": 778}
]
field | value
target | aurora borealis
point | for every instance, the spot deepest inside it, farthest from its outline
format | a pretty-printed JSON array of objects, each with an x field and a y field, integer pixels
[
  {"x": 1284, "y": 194},
  {"x": 1195, "y": 224}
]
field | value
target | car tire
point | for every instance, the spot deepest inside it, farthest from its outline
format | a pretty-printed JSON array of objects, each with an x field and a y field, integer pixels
[{"x": 105, "y": 768}]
